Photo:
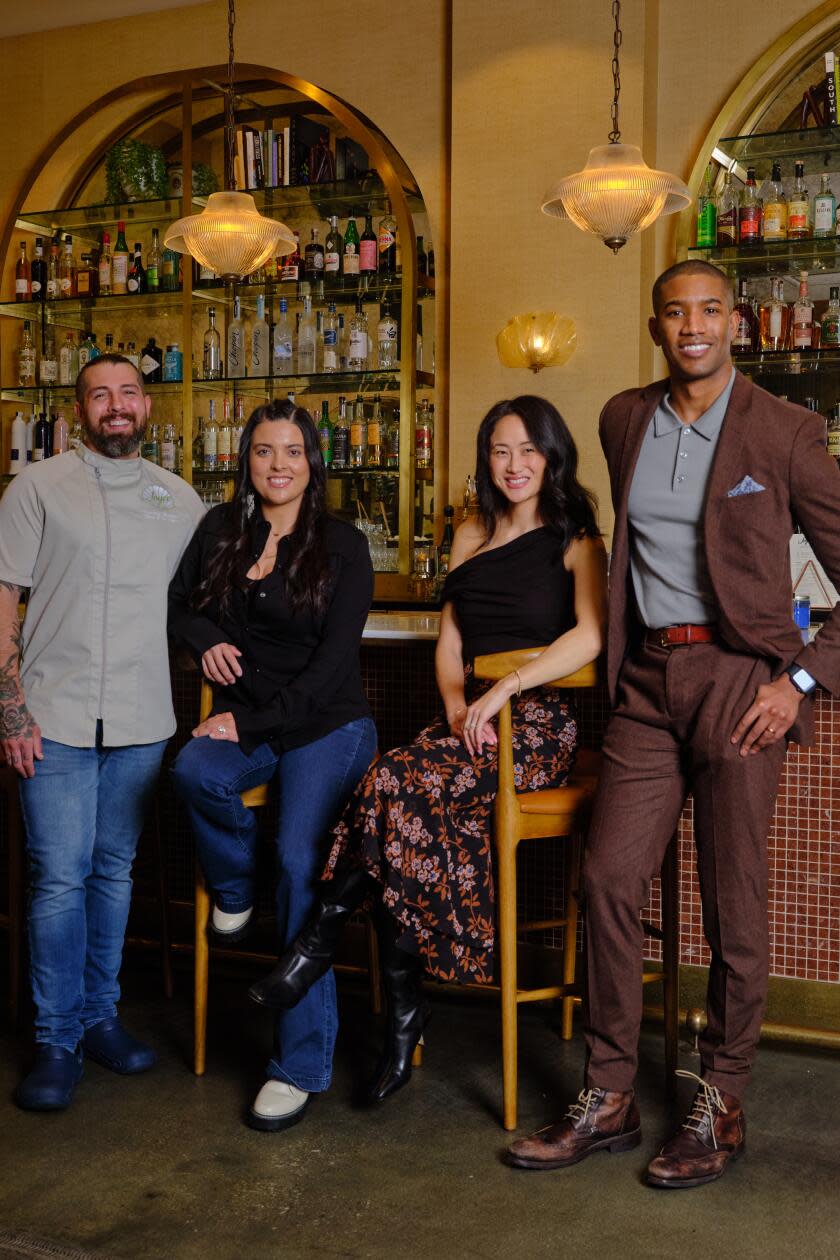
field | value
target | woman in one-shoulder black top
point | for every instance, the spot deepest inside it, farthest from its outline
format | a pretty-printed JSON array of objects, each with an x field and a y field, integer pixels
[{"x": 417, "y": 836}]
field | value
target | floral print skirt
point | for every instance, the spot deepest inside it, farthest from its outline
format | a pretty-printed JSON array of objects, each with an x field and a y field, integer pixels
[{"x": 421, "y": 822}]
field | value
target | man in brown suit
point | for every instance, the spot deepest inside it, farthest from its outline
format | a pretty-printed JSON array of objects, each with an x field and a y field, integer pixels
[{"x": 708, "y": 676}]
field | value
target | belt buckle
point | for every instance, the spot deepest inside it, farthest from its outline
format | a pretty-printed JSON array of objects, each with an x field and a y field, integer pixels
[{"x": 664, "y": 641}]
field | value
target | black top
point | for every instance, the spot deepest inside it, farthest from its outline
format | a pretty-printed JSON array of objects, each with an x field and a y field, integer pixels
[
  {"x": 515, "y": 596},
  {"x": 300, "y": 673}
]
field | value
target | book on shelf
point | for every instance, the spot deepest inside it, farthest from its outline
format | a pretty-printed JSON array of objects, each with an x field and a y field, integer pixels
[{"x": 831, "y": 88}]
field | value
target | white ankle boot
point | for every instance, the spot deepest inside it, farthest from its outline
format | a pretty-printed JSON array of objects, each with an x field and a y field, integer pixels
[
  {"x": 232, "y": 927},
  {"x": 278, "y": 1105}
]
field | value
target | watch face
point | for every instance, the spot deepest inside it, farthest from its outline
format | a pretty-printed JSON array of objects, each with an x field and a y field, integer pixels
[{"x": 803, "y": 680}]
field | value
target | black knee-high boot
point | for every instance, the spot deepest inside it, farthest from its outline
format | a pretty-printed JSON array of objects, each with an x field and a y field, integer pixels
[
  {"x": 311, "y": 953},
  {"x": 408, "y": 1011}
]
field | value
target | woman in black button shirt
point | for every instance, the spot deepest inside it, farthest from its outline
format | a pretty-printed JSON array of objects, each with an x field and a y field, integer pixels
[
  {"x": 529, "y": 572},
  {"x": 272, "y": 595}
]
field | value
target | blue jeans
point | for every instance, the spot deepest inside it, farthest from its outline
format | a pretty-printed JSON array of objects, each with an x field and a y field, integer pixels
[
  {"x": 84, "y": 812},
  {"x": 314, "y": 784}
]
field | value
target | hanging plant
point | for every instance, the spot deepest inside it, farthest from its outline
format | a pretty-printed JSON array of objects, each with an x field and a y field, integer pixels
[{"x": 135, "y": 171}]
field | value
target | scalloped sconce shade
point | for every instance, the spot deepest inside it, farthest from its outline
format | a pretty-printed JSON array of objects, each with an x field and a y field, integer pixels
[
  {"x": 230, "y": 236},
  {"x": 537, "y": 341},
  {"x": 616, "y": 194}
]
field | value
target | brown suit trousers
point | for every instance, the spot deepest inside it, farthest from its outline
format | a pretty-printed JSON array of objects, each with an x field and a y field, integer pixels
[{"x": 669, "y": 735}]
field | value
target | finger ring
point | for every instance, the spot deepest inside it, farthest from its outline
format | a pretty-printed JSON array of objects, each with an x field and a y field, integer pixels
[
  {"x": 222, "y": 730},
  {"x": 771, "y": 730}
]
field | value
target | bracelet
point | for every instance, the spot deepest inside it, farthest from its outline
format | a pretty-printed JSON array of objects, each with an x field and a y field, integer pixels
[{"x": 519, "y": 681}]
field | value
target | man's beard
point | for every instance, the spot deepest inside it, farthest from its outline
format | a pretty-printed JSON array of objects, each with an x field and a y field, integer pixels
[{"x": 116, "y": 445}]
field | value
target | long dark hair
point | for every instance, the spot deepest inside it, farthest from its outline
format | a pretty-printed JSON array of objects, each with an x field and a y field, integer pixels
[
  {"x": 565, "y": 505},
  {"x": 307, "y": 577}
]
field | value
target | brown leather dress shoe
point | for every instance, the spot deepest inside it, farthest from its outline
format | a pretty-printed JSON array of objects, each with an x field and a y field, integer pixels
[
  {"x": 712, "y": 1135},
  {"x": 600, "y": 1120}
]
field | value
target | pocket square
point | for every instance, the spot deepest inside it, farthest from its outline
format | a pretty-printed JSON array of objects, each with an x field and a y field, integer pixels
[{"x": 747, "y": 486}]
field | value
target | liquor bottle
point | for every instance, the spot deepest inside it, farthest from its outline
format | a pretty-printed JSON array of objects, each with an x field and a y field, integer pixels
[
  {"x": 224, "y": 440},
  {"x": 831, "y": 320},
  {"x": 236, "y": 433},
  {"x": 151, "y": 362},
  {"x": 832, "y": 433},
  {"x": 430, "y": 254},
  {"x": 154, "y": 263},
  {"x": 330, "y": 360},
  {"x": 343, "y": 343},
  {"x": 87, "y": 277},
  {"x": 313, "y": 260},
  {"x": 48, "y": 374},
  {"x": 802, "y": 334},
  {"x": 283, "y": 353},
  {"x": 26, "y": 357},
  {"x": 825, "y": 212},
  {"x": 105, "y": 266},
  {"x": 212, "y": 349},
  {"x": 774, "y": 319},
  {"x": 290, "y": 271},
  {"x": 53, "y": 284},
  {"x": 211, "y": 439},
  {"x": 341, "y": 437},
  {"x": 170, "y": 263},
  {"x": 136, "y": 282},
  {"x": 749, "y": 212},
  {"x": 745, "y": 338},
  {"x": 306, "y": 339},
  {"x": 333, "y": 249},
  {"x": 119, "y": 262},
  {"x": 447, "y": 538},
  {"x": 358, "y": 434},
  {"x": 368, "y": 249},
  {"x": 387, "y": 242},
  {"x": 109, "y": 344},
  {"x": 30, "y": 435},
  {"x": 23, "y": 276},
  {"x": 17, "y": 445},
  {"x": 386, "y": 339},
  {"x": 707, "y": 216},
  {"x": 68, "y": 361},
  {"x": 350, "y": 252},
  {"x": 392, "y": 440},
  {"x": 423, "y": 436},
  {"x": 38, "y": 271},
  {"x": 260, "y": 365},
  {"x": 132, "y": 355},
  {"x": 419, "y": 351},
  {"x": 799, "y": 206},
  {"x": 60, "y": 435},
  {"x": 423, "y": 258},
  {"x": 173, "y": 363},
  {"x": 76, "y": 436},
  {"x": 325, "y": 434},
  {"x": 235, "y": 366},
  {"x": 85, "y": 347},
  {"x": 169, "y": 448},
  {"x": 375, "y": 453},
  {"x": 42, "y": 442},
  {"x": 319, "y": 341},
  {"x": 198, "y": 446},
  {"x": 357, "y": 353},
  {"x": 775, "y": 207},
  {"x": 150, "y": 449}
]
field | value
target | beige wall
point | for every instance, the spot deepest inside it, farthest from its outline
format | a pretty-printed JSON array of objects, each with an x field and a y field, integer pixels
[{"x": 531, "y": 88}]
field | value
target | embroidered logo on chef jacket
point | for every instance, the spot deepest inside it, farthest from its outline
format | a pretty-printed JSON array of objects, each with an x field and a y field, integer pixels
[{"x": 158, "y": 496}]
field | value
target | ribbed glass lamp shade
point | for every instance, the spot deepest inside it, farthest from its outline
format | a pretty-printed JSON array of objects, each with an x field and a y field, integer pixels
[
  {"x": 536, "y": 341},
  {"x": 616, "y": 194},
  {"x": 230, "y": 236}
]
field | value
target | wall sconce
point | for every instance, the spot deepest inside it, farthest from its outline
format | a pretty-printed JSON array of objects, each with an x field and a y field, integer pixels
[{"x": 537, "y": 341}]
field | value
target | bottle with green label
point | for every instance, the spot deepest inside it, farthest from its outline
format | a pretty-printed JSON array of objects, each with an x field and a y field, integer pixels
[
  {"x": 707, "y": 214},
  {"x": 325, "y": 433}
]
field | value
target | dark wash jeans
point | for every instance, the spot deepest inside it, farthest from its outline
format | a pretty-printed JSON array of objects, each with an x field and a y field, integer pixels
[{"x": 314, "y": 784}]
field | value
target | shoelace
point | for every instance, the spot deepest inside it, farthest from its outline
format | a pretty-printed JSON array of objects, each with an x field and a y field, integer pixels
[
  {"x": 580, "y": 1110},
  {"x": 707, "y": 1102}
]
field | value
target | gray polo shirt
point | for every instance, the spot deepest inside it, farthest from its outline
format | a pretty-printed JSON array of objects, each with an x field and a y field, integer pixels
[
  {"x": 96, "y": 541},
  {"x": 665, "y": 510}
]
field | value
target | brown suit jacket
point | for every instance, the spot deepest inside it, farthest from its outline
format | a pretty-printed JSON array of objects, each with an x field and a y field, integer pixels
[{"x": 781, "y": 447}]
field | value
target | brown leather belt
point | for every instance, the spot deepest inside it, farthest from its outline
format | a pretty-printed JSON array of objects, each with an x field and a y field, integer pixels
[{"x": 681, "y": 636}]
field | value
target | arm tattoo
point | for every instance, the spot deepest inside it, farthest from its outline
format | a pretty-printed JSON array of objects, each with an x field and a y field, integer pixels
[{"x": 15, "y": 720}]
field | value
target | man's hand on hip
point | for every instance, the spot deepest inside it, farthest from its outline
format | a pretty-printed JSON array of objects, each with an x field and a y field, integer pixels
[{"x": 769, "y": 717}]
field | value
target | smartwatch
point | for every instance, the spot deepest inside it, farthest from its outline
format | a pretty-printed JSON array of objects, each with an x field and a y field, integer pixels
[{"x": 801, "y": 679}]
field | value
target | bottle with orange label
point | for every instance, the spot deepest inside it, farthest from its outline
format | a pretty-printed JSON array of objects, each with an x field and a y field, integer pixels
[{"x": 799, "y": 206}]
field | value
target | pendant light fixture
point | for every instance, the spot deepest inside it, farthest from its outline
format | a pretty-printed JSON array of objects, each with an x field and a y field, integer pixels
[
  {"x": 230, "y": 236},
  {"x": 616, "y": 194}
]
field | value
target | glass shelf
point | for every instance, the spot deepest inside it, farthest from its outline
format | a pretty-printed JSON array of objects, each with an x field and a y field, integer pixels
[
  {"x": 790, "y": 362},
  {"x": 75, "y": 308},
  {"x": 817, "y": 147},
  {"x": 777, "y": 258}
]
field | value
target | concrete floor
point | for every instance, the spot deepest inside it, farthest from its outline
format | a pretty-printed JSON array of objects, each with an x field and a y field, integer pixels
[{"x": 160, "y": 1167}]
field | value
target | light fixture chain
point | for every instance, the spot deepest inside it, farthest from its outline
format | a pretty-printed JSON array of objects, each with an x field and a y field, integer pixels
[
  {"x": 230, "y": 124},
  {"x": 615, "y": 134}
]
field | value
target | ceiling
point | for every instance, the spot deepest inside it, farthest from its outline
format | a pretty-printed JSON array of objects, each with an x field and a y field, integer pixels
[{"x": 48, "y": 15}]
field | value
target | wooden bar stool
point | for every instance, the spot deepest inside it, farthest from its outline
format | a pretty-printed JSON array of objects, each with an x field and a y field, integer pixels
[
  {"x": 561, "y": 812},
  {"x": 254, "y": 798}
]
